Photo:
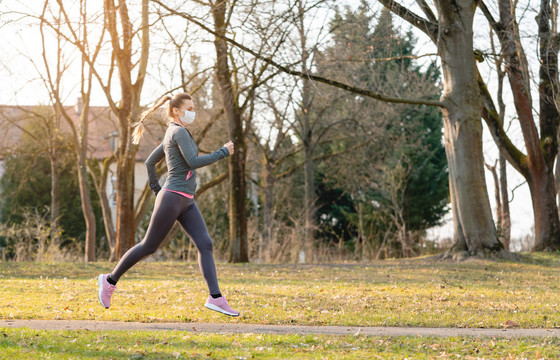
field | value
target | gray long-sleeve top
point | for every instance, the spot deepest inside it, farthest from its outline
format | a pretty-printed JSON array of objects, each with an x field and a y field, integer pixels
[{"x": 181, "y": 154}]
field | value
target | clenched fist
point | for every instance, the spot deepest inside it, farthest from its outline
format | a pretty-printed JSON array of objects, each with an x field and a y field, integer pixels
[{"x": 229, "y": 146}]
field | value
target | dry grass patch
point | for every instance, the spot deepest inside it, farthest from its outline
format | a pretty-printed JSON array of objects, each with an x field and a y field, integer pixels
[
  {"x": 417, "y": 292},
  {"x": 33, "y": 344}
]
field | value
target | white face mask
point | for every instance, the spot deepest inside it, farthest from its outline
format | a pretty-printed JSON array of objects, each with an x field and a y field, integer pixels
[{"x": 188, "y": 117}]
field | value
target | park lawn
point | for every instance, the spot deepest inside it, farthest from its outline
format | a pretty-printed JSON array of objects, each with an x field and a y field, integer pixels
[
  {"x": 80, "y": 344},
  {"x": 417, "y": 292}
]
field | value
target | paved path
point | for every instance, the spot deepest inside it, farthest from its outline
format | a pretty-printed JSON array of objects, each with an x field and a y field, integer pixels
[{"x": 275, "y": 329}]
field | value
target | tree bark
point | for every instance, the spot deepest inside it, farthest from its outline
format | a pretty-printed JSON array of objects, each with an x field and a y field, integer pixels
[
  {"x": 475, "y": 233},
  {"x": 237, "y": 215},
  {"x": 542, "y": 149},
  {"x": 504, "y": 212},
  {"x": 81, "y": 152},
  {"x": 497, "y": 195},
  {"x": 474, "y": 230},
  {"x": 87, "y": 210},
  {"x": 268, "y": 201},
  {"x": 99, "y": 173},
  {"x": 55, "y": 191},
  {"x": 308, "y": 241},
  {"x": 548, "y": 222},
  {"x": 361, "y": 241},
  {"x": 127, "y": 111}
]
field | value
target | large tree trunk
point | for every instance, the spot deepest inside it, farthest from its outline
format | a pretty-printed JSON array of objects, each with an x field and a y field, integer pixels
[
  {"x": 545, "y": 209},
  {"x": 125, "y": 203},
  {"x": 125, "y": 181},
  {"x": 474, "y": 230},
  {"x": 237, "y": 215},
  {"x": 547, "y": 222},
  {"x": 475, "y": 233},
  {"x": 127, "y": 111}
]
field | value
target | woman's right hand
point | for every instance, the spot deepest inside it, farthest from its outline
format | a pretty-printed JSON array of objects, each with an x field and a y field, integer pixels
[{"x": 229, "y": 146}]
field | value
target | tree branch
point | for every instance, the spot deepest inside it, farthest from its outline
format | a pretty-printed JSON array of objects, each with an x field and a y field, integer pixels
[
  {"x": 350, "y": 88},
  {"x": 429, "y": 28},
  {"x": 515, "y": 157},
  {"x": 496, "y": 26},
  {"x": 319, "y": 158},
  {"x": 215, "y": 181},
  {"x": 427, "y": 11}
]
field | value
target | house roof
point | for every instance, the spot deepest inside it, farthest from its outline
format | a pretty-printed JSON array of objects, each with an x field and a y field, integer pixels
[{"x": 102, "y": 129}]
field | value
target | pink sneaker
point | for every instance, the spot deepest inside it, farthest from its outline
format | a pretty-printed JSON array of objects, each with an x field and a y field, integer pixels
[
  {"x": 220, "y": 305},
  {"x": 106, "y": 290}
]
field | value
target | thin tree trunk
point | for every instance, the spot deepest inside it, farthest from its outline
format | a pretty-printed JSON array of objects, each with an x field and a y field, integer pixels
[
  {"x": 268, "y": 200},
  {"x": 497, "y": 193},
  {"x": 100, "y": 175},
  {"x": 308, "y": 241},
  {"x": 87, "y": 210},
  {"x": 505, "y": 214},
  {"x": 307, "y": 246},
  {"x": 55, "y": 192},
  {"x": 557, "y": 177},
  {"x": 505, "y": 219},
  {"x": 361, "y": 242}
]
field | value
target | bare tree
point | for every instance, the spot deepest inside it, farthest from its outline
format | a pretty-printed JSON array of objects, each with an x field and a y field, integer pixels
[
  {"x": 237, "y": 90},
  {"x": 452, "y": 32},
  {"x": 126, "y": 109},
  {"x": 541, "y": 144},
  {"x": 79, "y": 135},
  {"x": 500, "y": 174}
]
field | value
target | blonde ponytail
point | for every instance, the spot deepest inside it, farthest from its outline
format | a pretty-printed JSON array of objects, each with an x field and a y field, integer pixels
[{"x": 139, "y": 127}]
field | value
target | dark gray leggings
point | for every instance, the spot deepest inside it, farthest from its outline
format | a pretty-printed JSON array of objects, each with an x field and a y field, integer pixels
[{"x": 168, "y": 208}]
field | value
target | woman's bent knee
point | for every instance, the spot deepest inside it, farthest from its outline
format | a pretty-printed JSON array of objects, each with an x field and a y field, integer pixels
[
  {"x": 147, "y": 249},
  {"x": 205, "y": 245}
]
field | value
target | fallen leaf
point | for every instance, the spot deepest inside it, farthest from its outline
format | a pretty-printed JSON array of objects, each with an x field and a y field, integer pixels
[{"x": 509, "y": 324}]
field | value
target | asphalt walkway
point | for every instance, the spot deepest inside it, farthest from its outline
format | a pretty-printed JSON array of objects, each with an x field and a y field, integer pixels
[{"x": 275, "y": 329}]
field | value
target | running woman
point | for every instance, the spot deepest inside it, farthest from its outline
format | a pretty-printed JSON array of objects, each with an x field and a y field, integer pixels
[{"x": 176, "y": 201}]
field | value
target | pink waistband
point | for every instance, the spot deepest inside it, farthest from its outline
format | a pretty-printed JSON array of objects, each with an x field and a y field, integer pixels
[{"x": 180, "y": 193}]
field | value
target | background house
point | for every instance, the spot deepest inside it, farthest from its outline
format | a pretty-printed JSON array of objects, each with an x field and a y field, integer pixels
[{"x": 102, "y": 138}]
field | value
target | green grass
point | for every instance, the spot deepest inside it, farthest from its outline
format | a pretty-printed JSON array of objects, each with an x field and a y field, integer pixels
[
  {"x": 416, "y": 292},
  {"x": 32, "y": 344}
]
